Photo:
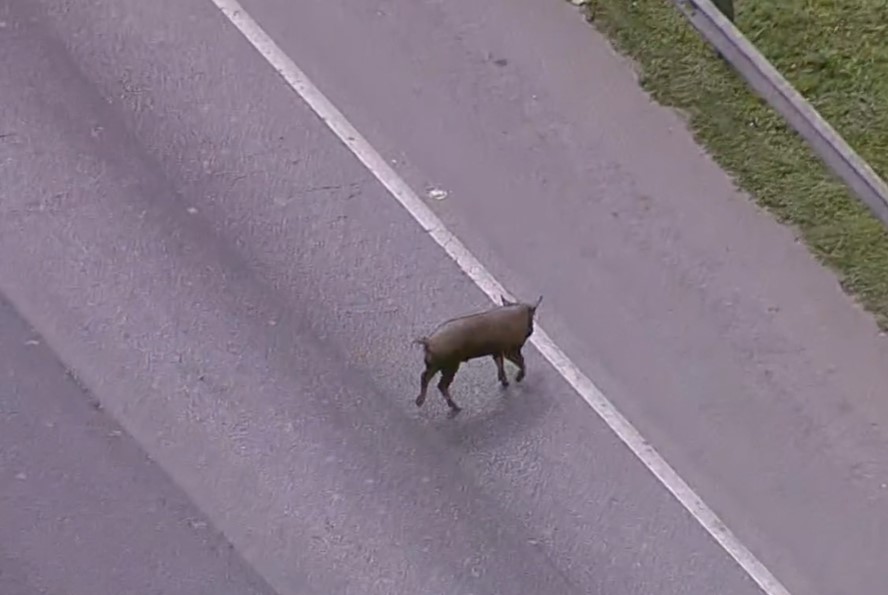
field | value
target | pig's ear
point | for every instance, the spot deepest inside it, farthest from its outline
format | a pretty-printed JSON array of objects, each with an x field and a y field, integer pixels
[{"x": 537, "y": 305}]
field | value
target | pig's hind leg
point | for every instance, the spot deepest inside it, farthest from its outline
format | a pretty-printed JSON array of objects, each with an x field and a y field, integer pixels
[
  {"x": 424, "y": 379},
  {"x": 447, "y": 375}
]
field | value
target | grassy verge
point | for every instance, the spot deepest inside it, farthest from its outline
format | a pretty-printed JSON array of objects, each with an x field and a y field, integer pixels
[{"x": 836, "y": 55}]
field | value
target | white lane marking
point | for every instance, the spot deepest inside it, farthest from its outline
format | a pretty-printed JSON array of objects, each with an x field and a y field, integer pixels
[{"x": 590, "y": 393}]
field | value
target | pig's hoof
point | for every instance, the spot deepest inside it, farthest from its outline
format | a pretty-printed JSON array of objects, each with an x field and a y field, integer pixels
[
  {"x": 519, "y": 377},
  {"x": 419, "y": 401}
]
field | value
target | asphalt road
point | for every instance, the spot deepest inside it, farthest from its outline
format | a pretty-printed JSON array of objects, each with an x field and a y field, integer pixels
[
  {"x": 196, "y": 253},
  {"x": 83, "y": 508}
]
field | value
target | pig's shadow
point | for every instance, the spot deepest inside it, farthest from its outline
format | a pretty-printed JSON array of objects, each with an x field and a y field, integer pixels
[{"x": 492, "y": 414}]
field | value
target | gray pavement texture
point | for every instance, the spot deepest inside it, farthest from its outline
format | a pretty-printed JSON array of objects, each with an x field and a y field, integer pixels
[
  {"x": 83, "y": 509},
  {"x": 224, "y": 278}
]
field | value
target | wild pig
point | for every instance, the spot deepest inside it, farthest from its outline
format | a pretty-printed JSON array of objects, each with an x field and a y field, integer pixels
[{"x": 499, "y": 333}]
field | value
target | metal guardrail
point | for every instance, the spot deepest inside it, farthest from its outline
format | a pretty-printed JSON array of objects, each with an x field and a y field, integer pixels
[{"x": 761, "y": 75}]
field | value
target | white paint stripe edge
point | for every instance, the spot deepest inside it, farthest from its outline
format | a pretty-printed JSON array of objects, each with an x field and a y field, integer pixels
[{"x": 590, "y": 393}]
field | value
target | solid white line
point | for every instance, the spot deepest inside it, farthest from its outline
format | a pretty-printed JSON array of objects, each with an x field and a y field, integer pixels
[{"x": 590, "y": 393}]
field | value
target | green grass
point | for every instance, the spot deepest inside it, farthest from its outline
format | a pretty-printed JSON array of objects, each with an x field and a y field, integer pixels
[{"x": 836, "y": 54}]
